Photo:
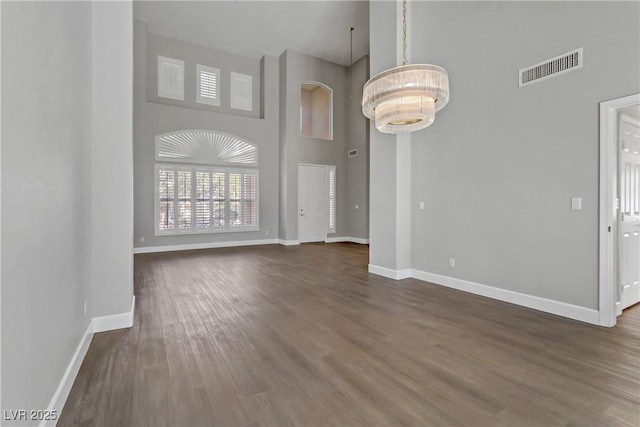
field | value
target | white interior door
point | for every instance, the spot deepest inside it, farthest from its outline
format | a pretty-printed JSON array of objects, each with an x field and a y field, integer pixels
[
  {"x": 629, "y": 215},
  {"x": 311, "y": 203}
]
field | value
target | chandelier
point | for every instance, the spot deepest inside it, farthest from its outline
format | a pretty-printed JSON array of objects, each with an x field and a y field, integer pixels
[{"x": 405, "y": 98}]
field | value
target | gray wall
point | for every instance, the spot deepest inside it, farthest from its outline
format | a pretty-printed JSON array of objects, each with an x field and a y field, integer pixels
[
  {"x": 191, "y": 55},
  {"x": 282, "y": 147},
  {"x": 153, "y": 118},
  {"x": 357, "y": 167},
  {"x": 301, "y": 68},
  {"x": 46, "y": 182},
  {"x": 112, "y": 134},
  {"x": 63, "y": 125},
  {"x": 382, "y": 164},
  {"x": 499, "y": 166}
]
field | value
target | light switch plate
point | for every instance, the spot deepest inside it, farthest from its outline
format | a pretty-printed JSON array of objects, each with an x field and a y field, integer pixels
[{"x": 576, "y": 203}]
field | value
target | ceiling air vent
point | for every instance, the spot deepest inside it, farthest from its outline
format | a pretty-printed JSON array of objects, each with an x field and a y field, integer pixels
[{"x": 560, "y": 64}]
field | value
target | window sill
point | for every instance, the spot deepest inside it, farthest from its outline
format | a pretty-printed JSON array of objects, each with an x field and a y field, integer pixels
[{"x": 196, "y": 232}]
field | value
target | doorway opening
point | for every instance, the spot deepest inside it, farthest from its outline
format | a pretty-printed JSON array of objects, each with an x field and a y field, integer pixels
[{"x": 619, "y": 258}]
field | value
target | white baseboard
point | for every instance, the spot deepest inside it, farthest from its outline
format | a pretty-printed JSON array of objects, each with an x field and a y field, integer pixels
[
  {"x": 209, "y": 245},
  {"x": 335, "y": 239},
  {"x": 347, "y": 239},
  {"x": 213, "y": 245},
  {"x": 114, "y": 321},
  {"x": 543, "y": 304},
  {"x": 358, "y": 240},
  {"x": 391, "y": 274},
  {"x": 62, "y": 392},
  {"x": 288, "y": 242},
  {"x": 571, "y": 311}
]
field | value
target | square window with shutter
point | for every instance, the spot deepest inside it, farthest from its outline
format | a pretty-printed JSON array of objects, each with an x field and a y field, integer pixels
[
  {"x": 170, "y": 78},
  {"x": 241, "y": 91},
  {"x": 208, "y": 85}
]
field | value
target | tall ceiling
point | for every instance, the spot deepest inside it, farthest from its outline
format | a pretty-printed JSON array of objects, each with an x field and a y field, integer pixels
[{"x": 255, "y": 28}]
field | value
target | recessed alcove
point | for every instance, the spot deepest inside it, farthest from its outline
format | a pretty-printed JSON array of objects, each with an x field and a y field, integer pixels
[{"x": 316, "y": 111}]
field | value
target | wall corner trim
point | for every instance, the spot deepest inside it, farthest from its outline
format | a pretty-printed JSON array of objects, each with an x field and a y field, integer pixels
[
  {"x": 289, "y": 242},
  {"x": 391, "y": 274},
  {"x": 563, "y": 309},
  {"x": 114, "y": 321},
  {"x": 64, "y": 388}
]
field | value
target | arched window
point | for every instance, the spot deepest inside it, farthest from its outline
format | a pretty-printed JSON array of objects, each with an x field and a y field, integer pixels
[{"x": 206, "y": 182}]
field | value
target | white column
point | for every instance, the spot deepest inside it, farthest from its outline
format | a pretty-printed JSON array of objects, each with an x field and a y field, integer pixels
[
  {"x": 112, "y": 159},
  {"x": 390, "y": 182}
]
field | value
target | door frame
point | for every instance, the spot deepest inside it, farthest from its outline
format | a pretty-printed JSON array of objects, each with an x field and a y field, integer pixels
[
  {"x": 623, "y": 118},
  {"x": 324, "y": 211},
  {"x": 608, "y": 263}
]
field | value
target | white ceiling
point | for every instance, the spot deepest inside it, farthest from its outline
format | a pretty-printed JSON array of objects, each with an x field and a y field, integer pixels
[{"x": 255, "y": 28}]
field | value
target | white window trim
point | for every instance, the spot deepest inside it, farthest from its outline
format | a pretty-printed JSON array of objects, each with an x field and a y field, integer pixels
[
  {"x": 206, "y": 100},
  {"x": 211, "y": 230}
]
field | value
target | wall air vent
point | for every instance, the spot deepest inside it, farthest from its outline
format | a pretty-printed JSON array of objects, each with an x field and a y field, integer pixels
[
  {"x": 353, "y": 153},
  {"x": 560, "y": 64}
]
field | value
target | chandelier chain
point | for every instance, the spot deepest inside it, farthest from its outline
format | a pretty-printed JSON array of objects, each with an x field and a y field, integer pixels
[
  {"x": 351, "y": 46},
  {"x": 404, "y": 32}
]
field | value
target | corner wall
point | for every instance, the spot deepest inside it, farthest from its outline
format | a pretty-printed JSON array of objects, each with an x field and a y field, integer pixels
[
  {"x": 383, "y": 247},
  {"x": 112, "y": 136},
  {"x": 282, "y": 148},
  {"x": 61, "y": 124},
  {"x": 357, "y": 167},
  {"x": 46, "y": 181},
  {"x": 349, "y": 131},
  {"x": 499, "y": 166}
]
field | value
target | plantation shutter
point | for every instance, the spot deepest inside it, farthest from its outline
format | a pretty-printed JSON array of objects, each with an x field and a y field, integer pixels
[{"x": 332, "y": 200}]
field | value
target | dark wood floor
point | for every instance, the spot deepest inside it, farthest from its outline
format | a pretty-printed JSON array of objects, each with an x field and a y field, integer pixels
[{"x": 278, "y": 336}]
